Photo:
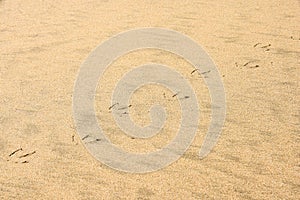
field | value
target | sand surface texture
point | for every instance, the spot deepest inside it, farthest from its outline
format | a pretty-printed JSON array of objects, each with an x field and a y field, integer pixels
[{"x": 255, "y": 45}]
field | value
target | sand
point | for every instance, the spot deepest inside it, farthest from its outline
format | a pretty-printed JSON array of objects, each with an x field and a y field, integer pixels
[{"x": 42, "y": 45}]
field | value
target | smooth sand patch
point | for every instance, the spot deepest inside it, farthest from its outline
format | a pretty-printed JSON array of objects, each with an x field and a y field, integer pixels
[{"x": 255, "y": 45}]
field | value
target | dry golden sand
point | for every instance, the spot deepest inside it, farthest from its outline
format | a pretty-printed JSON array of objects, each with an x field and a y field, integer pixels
[{"x": 42, "y": 45}]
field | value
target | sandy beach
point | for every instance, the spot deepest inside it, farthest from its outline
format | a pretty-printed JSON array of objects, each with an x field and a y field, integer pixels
[{"x": 256, "y": 47}]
